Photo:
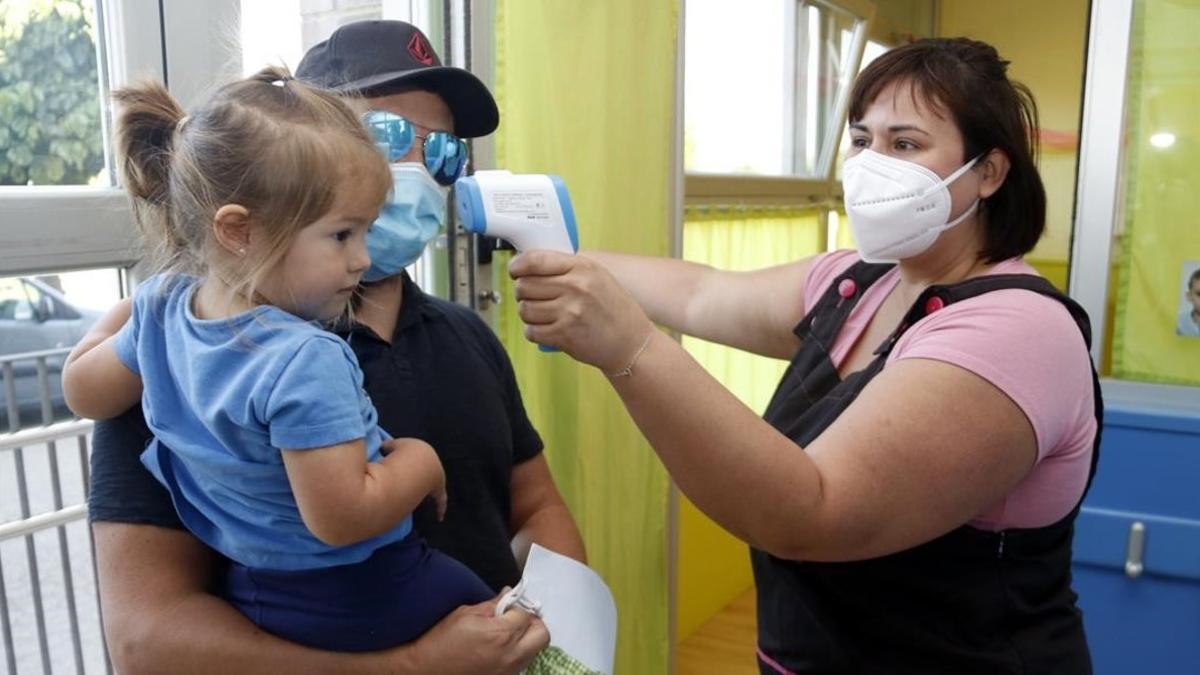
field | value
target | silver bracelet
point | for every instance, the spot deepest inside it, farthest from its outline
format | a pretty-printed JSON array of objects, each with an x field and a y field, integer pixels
[{"x": 628, "y": 370}]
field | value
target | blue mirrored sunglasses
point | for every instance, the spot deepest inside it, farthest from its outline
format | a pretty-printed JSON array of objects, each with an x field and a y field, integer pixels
[{"x": 445, "y": 154}]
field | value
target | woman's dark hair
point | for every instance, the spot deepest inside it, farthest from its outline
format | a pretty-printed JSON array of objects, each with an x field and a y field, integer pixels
[
  {"x": 968, "y": 79},
  {"x": 1193, "y": 279}
]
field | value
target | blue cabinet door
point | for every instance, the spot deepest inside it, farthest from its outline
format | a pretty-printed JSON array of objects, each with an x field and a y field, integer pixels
[{"x": 1141, "y": 604}]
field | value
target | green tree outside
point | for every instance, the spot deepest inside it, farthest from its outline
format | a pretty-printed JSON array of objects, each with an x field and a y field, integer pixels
[{"x": 50, "y": 131}]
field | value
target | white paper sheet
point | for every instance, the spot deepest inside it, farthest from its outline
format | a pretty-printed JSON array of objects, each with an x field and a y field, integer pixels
[{"x": 576, "y": 605}]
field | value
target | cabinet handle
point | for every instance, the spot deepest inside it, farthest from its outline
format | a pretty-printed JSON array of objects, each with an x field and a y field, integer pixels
[{"x": 1135, "y": 550}]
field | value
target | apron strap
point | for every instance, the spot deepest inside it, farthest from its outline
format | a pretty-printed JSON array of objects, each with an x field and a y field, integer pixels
[
  {"x": 937, "y": 297},
  {"x": 825, "y": 319}
]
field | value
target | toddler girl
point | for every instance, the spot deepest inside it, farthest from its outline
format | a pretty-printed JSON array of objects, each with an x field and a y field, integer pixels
[{"x": 258, "y": 203}]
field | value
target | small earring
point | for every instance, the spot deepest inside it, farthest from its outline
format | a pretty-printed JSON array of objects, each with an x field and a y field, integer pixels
[{"x": 241, "y": 251}]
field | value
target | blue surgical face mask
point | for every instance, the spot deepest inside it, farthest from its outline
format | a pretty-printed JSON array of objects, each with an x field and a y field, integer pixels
[{"x": 411, "y": 218}]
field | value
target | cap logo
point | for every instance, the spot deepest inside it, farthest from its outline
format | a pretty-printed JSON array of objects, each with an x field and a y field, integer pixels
[{"x": 420, "y": 49}]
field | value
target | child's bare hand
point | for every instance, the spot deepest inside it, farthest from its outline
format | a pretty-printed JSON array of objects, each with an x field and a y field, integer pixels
[
  {"x": 390, "y": 445},
  {"x": 422, "y": 454},
  {"x": 439, "y": 499},
  {"x": 437, "y": 491}
]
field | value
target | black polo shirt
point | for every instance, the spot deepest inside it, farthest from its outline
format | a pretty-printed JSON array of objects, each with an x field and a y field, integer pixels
[{"x": 445, "y": 379}]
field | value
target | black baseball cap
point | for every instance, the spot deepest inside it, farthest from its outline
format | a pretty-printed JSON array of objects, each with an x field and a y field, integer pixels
[{"x": 377, "y": 58}]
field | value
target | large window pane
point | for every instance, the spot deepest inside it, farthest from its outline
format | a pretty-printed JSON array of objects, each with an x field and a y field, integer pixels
[
  {"x": 278, "y": 32},
  {"x": 50, "y": 128},
  {"x": 762, "y": 85},
  {"x": 1156, "y": 333},
  {"x": 41, "y": 318},
  {"x": 734, "y": 87}
]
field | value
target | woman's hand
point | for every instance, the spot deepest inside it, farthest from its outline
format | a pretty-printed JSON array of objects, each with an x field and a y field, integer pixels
[{"x": 575, "y": 304}]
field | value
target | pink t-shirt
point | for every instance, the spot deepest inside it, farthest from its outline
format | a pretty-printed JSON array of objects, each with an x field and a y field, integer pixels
[{"x": 1025, "y": 344}]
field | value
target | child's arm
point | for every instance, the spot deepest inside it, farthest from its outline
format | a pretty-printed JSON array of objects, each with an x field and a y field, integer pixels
[
  {"x": 96, "y": 384},
  {"x": 344, "y": 499}
]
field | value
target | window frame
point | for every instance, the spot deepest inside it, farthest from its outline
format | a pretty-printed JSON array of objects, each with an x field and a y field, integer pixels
[{"x": 51, "y": 228}]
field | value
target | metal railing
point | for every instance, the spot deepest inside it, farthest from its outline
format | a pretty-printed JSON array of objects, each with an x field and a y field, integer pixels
[{"x": 49, "y": 605}]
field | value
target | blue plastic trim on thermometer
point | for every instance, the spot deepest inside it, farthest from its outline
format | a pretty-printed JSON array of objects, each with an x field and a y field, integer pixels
[
  {"x": 469, "y": 200},
  {"x": 568, "y": 211},
  {"x": 564, "y": 200}
]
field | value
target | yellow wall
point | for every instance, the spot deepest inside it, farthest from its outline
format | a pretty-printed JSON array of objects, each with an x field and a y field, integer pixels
[
  {"x": 713, "y": 569},
  {"x": 1045, "y": 41},
  {"x": 897, "y": 21}
]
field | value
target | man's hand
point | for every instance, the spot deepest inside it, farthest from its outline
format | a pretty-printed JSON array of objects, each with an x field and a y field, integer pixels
[{"x": 472, "y": 640}]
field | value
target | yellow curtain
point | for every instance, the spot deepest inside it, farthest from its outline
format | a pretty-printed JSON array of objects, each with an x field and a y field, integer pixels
[
  {"x": 1161, "y": 244},
  {"x": 586, "y": 91},
  {"x": 746, "y": 240},
  {"x": 714, "y": 567},
  {"x": 845, "y": 235}
]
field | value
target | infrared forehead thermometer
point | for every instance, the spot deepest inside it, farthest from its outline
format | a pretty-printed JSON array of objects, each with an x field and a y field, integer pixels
[{"x": 528, "y": 210}]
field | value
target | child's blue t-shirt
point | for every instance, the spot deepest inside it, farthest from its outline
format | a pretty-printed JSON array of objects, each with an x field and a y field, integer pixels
[{"x": 225, "y": 396}]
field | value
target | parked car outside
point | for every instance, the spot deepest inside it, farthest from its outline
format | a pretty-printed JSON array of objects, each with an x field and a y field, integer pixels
[{"x": 35, "y": 317}]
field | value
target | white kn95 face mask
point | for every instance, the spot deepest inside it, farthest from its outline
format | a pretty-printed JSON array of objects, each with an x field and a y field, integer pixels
[{"x": 897, "y": 208}]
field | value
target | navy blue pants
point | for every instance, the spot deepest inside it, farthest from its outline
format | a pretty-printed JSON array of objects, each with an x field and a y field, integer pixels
[{"x": 388, "y": 599}]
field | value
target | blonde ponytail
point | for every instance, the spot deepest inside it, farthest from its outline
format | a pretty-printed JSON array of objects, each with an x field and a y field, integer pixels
[{"x": 148, "y": 120}]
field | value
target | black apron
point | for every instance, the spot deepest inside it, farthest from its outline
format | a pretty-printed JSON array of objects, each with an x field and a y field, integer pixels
[{"x": 970, "y": 601}]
